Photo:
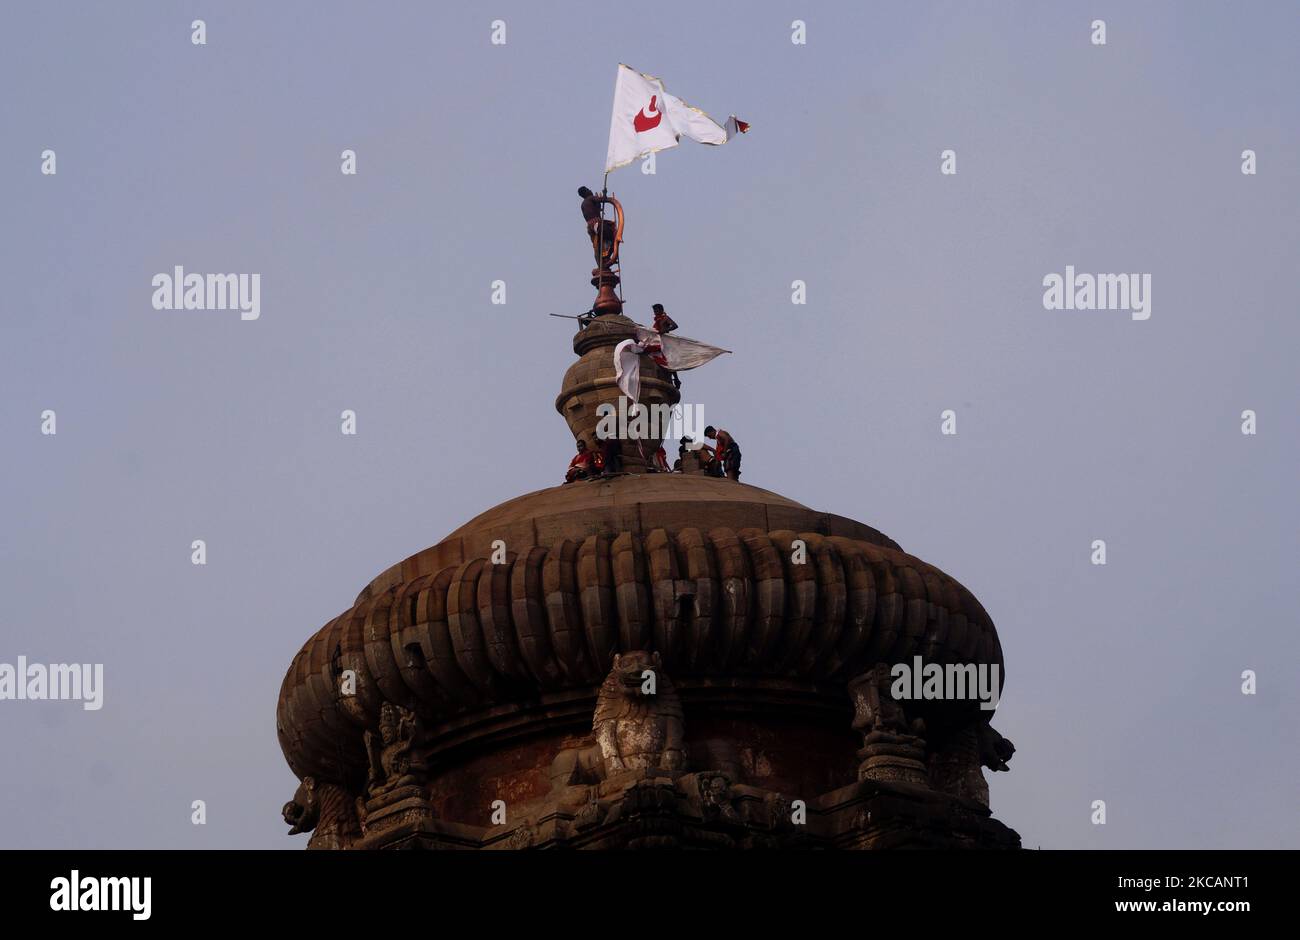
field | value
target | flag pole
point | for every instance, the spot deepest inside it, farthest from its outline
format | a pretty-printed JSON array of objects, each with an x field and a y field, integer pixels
[{"x": 604, "y": 191}]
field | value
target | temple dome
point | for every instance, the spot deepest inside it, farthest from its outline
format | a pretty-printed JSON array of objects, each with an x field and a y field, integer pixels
[
  {"x": 504, "y": 665},
  {"x": 700, "y": 569}
]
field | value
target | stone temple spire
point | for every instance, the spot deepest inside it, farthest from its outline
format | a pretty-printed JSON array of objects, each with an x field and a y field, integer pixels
[{"x": 590, "y": 382}]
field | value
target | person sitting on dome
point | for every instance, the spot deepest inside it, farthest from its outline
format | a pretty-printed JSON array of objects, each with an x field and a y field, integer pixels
[
  {"x": 584, "y": 464},
  {"x": 690, "y": 459},
  {"x": 610, "y": 457},
  {"x": 725, "y": 456},
  {"x": 658, "y": 462},
  {"x": 709, "y": 461}
]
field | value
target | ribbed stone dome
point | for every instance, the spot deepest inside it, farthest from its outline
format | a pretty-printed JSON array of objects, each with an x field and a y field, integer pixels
[{"x": 700, "y": 569}]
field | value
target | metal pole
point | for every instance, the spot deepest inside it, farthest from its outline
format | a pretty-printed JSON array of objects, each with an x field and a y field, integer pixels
[
  {"x": 604, "y": 191},
  {"x": 600, "y": 252}
]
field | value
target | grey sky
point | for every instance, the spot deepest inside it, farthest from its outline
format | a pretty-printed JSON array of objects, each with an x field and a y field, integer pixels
[{"x": 924, "y": 293}]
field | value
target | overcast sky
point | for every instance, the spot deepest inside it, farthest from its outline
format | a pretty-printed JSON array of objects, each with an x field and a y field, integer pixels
[{"x": 924, "y": 294}]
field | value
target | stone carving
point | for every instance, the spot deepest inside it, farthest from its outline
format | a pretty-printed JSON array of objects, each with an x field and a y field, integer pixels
[
  {"x": 636, "y": 731},
  {"x": 955, "y": 767},
  {"x": 395, "y": 784},
  {"x": 715, "y": 798},
  {"x": 995, "y": 750},
  {"x": 893, "y": 749},
  {"x": 591, "y": 814},
  {"x": 576, "y": 773},
  {"x": 780, "y": 811},
  {"x": 955, "y": 764},
  {"x": 523, "y": 837},
  {"x": 392, "y": 763},
  {"x": 302, "y": 812},
  {"x": 327, "y": 811},
  {"x": 577, "y": 767},
  {"x": 719, "y": 755},
  {"x": 359, "y": 804}
]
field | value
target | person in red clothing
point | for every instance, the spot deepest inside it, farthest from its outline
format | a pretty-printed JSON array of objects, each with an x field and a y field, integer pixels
[
  {"x": 584, "y": 464},
  {"x": 659, "y": 462},
  {"x": 664, "y": 325},
  {"x": 609, "y": 459},
  {"x": 726, "y": 454}
]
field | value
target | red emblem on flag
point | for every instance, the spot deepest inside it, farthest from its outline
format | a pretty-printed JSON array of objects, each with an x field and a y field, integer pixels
[{"x": 645, "y": 122}]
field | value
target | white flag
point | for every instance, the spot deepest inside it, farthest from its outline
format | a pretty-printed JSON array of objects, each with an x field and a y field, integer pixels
[
  {"x": 692, "y": 122},
  {"x": 676, "y": 353},
  {"x": 647, "y": 119},
  {"x": 627, "y": 369}
]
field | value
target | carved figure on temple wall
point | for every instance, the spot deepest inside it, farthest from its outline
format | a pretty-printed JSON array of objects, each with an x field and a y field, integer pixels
[{"x": 637, "y": 730}]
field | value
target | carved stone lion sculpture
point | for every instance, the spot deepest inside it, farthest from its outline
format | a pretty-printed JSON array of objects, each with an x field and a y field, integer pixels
[
  {"x": 995, "y": 750},
  {"x": 302, "y": 812},
  {"x": 636, "y": 729},
  {"x": 327, "y": 811}
]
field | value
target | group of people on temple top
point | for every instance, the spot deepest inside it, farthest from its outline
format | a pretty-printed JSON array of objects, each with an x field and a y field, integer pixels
[{"x": 722, "y": 459}]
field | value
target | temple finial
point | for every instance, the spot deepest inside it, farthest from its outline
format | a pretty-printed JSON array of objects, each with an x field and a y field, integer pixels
[{"x": 606, "y": 236}]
